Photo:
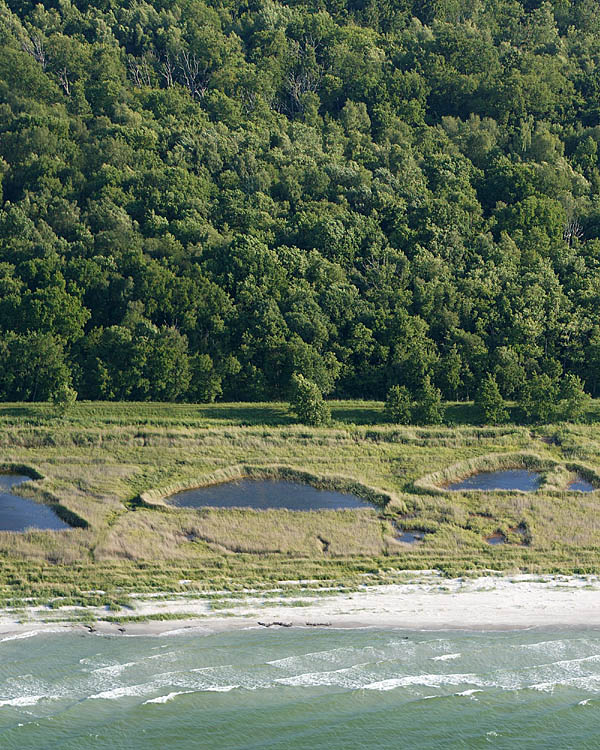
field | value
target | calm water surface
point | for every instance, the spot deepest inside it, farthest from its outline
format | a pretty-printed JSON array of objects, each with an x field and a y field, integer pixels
[
  {"x": 19, "y": 513},
  {"x": 512, "y": 479},
  {"x": 263, "y": 494},
  {"x": 581, "y": 485},
  {"x": 301, "y": 690}
]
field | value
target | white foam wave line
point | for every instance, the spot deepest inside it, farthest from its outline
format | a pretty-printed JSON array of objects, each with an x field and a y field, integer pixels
[
  {"x": 331, "y": 677},
  {"x": 211, "y": 669},
  {"x": 446, "y": 657},
  {"x": 571, "y": 669},
  {"x": 586, "y": 682},
  {"x": 140, "y": 690},
  {"x": 558, "y": 642},
  {"x": 29, "y": 634},
  {"x": 584, "y": 702},
  {"x": 186, "y": 631},
  {"x": 568, "y": 662},
  {"x": 468, "y": 693},
  {"x": 164, "y": 655},
  {"x": 114, "y": 669},
  {"x": 121, "y": 692},
  {"x": 327, "y": 655},
  {"x": 168, "y": 697},
  {"x": 25, "y": 700},
  {"x": 428, "y": 680}
]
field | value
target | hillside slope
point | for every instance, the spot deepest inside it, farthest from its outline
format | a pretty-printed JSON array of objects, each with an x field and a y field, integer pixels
[{"x": 198, "y": 199}]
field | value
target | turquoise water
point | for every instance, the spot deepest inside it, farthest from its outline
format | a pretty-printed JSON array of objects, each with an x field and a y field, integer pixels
[{"x": 301, "y": 689}]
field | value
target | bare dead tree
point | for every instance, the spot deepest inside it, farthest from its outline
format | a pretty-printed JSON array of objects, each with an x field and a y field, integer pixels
[
  {"x": 193, "y": 74},
  {"x": 167, "y": 70},
  {"x": 573, "y": 231},
  {"x": 311, "y": 41},
  {"x": 248, "y": 99},
  {"x": 63, "y": 79},
  {"x": 298, "y": 84},
  {"x": 34, "y": 46},
  {"x": 305, "y": 77},
  {"x": 140, "y": 71}
]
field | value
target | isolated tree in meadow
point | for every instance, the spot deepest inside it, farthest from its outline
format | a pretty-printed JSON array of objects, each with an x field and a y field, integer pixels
[
  {"x": 307, "y": 402},
  {"x": 429, "y": 408},
  {"x": 398, "y": 404},
  {"x": 63, "y": 399},
  {"x": 573, "y": 400},
  {"x": 490, "y": 402}
]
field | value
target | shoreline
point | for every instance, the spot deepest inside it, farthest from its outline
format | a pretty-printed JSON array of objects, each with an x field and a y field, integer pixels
[{"x": 486, "y": 603}]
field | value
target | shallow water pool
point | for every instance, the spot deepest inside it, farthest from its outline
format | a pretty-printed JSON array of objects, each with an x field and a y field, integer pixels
[
  {"x": 581, "y": 485},
  {"x": 265, "y": 494},
  {"x": 510, "y": 479},
  {"x": 19, "y": 513}
]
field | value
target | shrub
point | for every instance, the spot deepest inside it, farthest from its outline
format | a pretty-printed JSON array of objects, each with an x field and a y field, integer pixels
[
  {"x": 63, "y": 399},
  {"x": 398, "y": 404},
  {"x": 429, "y": 408},
  {"x": 490, "y": 402},
  {"x": 307, "y": 402},
  {"x": 573, "y": 400}
]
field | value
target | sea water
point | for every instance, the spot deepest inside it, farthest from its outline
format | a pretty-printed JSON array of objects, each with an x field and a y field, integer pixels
[{"x": 301, "y": 689}]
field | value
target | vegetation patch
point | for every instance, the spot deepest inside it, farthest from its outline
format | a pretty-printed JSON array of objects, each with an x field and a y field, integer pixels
[
  {"x": 100, "y": 457},
  {"x": 23, "y": 469}
]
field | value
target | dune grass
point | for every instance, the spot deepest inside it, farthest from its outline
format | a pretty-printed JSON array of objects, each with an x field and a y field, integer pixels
[{"x": 109, "y": 465}]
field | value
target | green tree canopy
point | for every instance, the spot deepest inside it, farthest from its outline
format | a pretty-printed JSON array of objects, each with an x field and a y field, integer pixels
[
  {"x": 307, "y": 402},
  {"x": 490, "y": 402},
  {"x": 367, "y": 193}
]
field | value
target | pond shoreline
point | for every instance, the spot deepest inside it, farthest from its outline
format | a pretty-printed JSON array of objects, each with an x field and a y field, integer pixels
[{"x": 486, "y": 603}]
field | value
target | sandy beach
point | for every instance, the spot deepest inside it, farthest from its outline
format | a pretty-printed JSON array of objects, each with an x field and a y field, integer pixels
[{"x": 431, "y": 602}]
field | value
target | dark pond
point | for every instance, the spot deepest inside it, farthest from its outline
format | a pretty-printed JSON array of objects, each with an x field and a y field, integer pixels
[
  {"x": 511, "y": 479},
  {"x": 263, "y": 494},
  {"x": 581, "y": 485},
  {"x": 19, "y": 513}
]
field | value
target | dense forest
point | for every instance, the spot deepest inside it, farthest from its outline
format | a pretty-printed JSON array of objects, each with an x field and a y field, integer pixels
[{"x": 201, "y": 198}]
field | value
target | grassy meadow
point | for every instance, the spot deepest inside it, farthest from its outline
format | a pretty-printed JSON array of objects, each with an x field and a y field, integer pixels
[{"x": 110, "y": 465}]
